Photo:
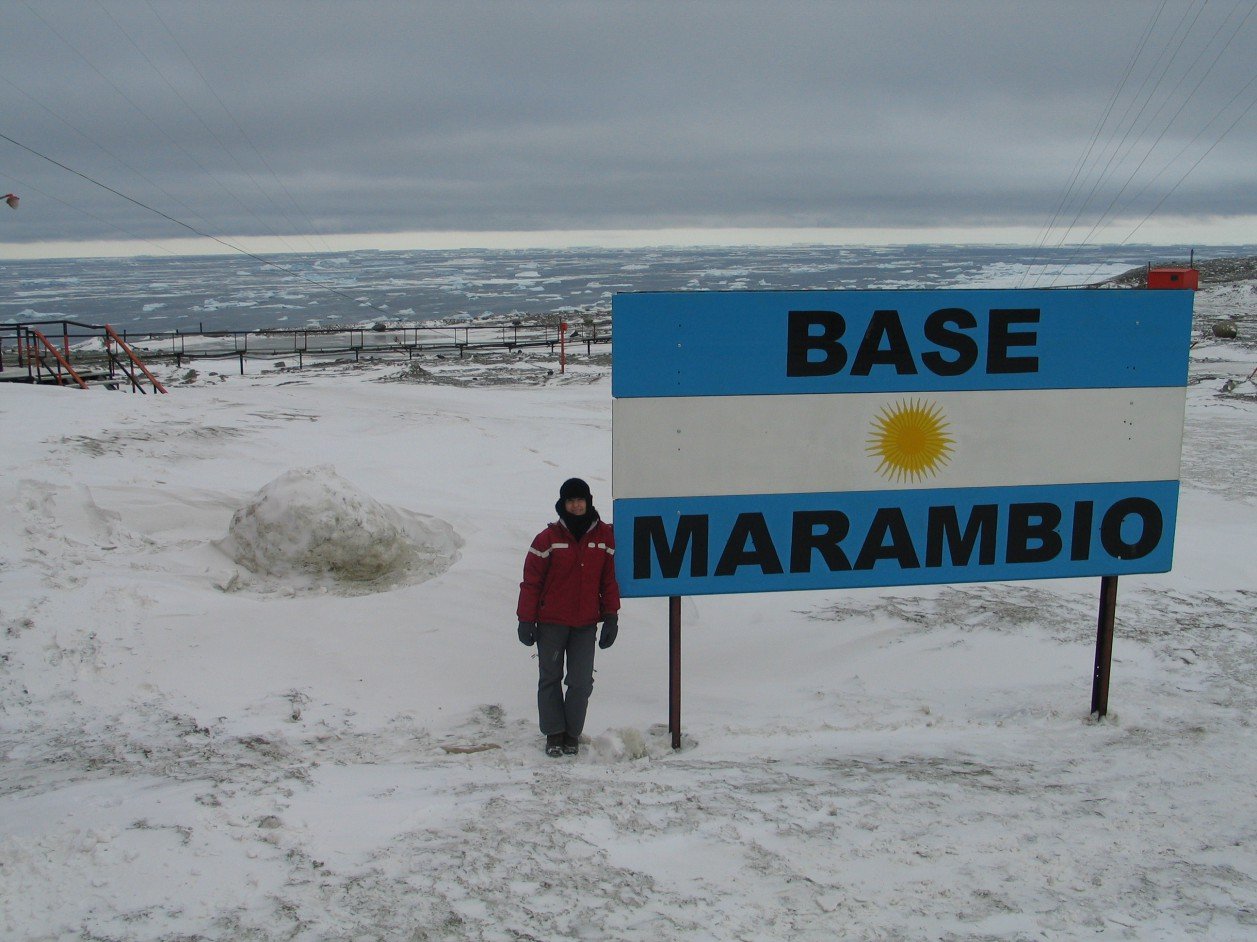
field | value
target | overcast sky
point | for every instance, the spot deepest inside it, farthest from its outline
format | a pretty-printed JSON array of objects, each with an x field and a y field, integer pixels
[{"x": 310, "y": 121}]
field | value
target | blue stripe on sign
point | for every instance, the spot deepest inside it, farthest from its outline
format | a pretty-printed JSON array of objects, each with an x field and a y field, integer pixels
[
  {"x": 739, "y": 342},
  {"x": 772, "y": 542}
]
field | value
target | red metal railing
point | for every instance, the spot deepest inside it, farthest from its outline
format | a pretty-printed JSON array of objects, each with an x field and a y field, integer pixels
[
  {"x": 42, "y": 362},
  {"x": 33, "y": 340},
  {"x": 304, "y": 345},
  {"x": 111, "y": 337}
]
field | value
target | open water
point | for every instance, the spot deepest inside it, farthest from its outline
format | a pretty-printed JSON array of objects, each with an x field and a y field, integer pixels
[{"x": 241, "y": 293}]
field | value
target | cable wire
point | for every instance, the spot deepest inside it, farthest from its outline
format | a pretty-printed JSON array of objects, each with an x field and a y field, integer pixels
[
  {"x": 244, "y": 134},
  {"x": 162, "y": 131},
  {"x": 196, "y": 114},
  {"x": 1095, "y": 136},
  {"x": 193, "y": 229}
]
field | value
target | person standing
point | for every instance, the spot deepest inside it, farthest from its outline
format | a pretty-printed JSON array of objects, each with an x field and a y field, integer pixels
[{"x": 568, "y": 587}]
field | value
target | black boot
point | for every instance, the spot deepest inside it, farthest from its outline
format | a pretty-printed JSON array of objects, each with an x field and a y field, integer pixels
[
  {"x": 554, "y": 744},
  {"x": 571, "y": 744}
]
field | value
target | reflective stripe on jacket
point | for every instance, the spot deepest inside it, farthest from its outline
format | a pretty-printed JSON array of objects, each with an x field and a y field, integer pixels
[{"x": 569, "y": 581}]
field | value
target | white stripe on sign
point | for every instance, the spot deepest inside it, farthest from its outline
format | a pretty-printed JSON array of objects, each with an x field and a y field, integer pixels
[{"x": 721, "y": 445}]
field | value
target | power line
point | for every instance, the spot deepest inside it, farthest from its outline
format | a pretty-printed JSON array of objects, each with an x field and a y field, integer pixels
[
  {"x": 1136, "y": 98},
  {"x": 1187, "y": 172},
  {"x": 1137, "y": 139},
  {"x": 193, "y": 229},
  {"x": 25, "y": 185},
  {"x": 160, "y": 130},
  {"x": 1208, "y": 71},
  {"x": 196, "y": 114},
  {"x": 244, "y": 134},
  {"x": 1095, "y": 136},
  {"x": 95, "y": 143}
]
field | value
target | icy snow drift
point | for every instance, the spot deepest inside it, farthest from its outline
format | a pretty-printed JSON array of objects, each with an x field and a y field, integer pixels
[{"x": 311, "y": 529}]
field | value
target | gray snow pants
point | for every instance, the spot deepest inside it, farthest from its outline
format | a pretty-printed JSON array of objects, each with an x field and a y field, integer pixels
[{"x": 559, "y": 713}]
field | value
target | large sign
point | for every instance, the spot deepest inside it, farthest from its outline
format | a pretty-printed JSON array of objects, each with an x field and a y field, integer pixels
[{"x": 803, "y": 440}]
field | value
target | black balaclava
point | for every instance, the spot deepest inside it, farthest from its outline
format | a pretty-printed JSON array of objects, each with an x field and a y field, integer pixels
[{"x": 575, "y": 487}]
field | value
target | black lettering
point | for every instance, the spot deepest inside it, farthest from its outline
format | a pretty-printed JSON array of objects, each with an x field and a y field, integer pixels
[
  {"x": 649, "y": 533},
  {"x": 761, "y": 553},
  {"x": 1000, "y": 337},
  {"x": 884, "y": 325},
  {"x": 888, "y": 521},
  {"x": 1150, "y": 535},
  {"x": 943, "y": 527},
  {"x": 1080, "y": 544},
  {"x": 1033, "y": 523},
  {"x": 964, "y": 346},
  {"x": 804, "y": 538},
  {"x": 802, "y": 342}
]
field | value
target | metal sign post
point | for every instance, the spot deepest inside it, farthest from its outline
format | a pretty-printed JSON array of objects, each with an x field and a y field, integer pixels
[
  {"x": 1104, "y": 647},
  {"x": 674, "y": 669}
]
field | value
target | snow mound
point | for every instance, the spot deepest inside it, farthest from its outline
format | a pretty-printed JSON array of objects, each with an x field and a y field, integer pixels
[
  {"x": 622, "y": 745},
  {"x": 626, "y": 744},
  {"x": 311, "y": 530}
]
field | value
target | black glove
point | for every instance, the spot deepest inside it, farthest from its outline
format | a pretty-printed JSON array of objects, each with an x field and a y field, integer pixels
[
  {"x": 528, "y": 632},
  {"x": 610, "y": 628}
]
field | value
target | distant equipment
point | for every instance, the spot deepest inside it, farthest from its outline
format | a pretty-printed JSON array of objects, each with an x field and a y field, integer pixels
[
  {"x": 1168, "y": 276},
  {"x": 1186, "y": 278}
]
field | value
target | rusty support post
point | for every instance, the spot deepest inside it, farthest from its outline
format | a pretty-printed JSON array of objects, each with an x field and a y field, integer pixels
[
  {"x": 674, "y": 669},
  {"x": 1104, "y": 647}
]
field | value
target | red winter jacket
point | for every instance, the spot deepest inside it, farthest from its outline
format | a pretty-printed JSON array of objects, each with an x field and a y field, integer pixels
[{"x": 569, "y": 581}]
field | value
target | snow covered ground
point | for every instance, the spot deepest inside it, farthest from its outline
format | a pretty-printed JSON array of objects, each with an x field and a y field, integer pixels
[{"x": 192, "y": 749}]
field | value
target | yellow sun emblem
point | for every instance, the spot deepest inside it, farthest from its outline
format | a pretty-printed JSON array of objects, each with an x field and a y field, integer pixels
[{"x": 911, "y": 440}]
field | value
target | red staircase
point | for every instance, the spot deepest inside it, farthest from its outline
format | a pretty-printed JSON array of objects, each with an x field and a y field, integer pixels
[{"x": 40, "y": 361}]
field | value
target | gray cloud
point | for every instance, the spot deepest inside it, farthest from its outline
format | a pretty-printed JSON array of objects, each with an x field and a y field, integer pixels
[{"x": 284, "y": 117}]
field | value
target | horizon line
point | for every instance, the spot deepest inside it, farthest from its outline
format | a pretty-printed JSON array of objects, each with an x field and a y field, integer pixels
[{"x": 1233, "y": 231}]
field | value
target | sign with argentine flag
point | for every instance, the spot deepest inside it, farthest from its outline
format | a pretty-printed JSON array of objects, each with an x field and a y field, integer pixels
[{"x": 770, "y": 441}]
